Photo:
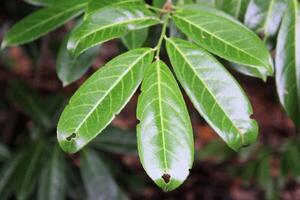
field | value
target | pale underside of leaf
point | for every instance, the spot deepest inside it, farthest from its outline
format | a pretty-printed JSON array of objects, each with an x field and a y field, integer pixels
[
  {"x": 225, "y": 37},
  {"x": 264, "y": 16},
  {"x": 214, "y": 93},
  {"x": 165, "y": 140},
  {"x": 100, "y": 98}
]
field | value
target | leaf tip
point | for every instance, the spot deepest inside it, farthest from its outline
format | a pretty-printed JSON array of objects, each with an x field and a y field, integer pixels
[
  {"x": 69, "y": 143},
  {"x": 168, "y": 183}
]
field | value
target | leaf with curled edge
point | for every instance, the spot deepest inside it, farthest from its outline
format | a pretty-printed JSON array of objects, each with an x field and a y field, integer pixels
[
  {"x": 70, "y": 68},
  {"x": 100, "y": 98},
  {"x": 109, "y": 23},
  {"x": 214, "y": 92},
  {"x": 264, "y": 16},
  {"x": 288, "y": 62},
  {"x": 224, "y": 36},
  {"x": 165, "y": 137},
  {"x": 42, "y": 21}
]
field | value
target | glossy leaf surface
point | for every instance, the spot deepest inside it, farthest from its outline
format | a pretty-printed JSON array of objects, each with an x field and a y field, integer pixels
[
  {"x": 165, "y": 138},
  {"x": 70, "y": 68},
  {"x": 100, "y": 98},
  {"x": 214, "y": 93},
  {"x": 96, "y": 5},
  {"x": 52, "y": 183},
  {"x": 222, "y": 35},
  {"x": 97, "y": 179},
  {"x": 135, "y": 39},
  {"x": 109, "y": 23},
  {"x": 288, "y": 62},
  {"x": 264, "y": 16},
  {"x": 42, "y": 22},
  {"x": 116, "y": 140}
]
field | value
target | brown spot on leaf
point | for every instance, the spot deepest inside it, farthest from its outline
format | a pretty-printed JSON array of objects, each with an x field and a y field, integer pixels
[
  {"x": 166, "y": 178},
  {"x": 72, "y": 136}
]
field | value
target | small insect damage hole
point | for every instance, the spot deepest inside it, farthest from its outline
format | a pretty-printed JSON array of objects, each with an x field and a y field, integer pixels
[
  {"x": 166, "y": 178},
  {"x": 72, "y": 136}
]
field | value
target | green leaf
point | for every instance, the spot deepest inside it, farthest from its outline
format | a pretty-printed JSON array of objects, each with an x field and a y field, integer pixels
[
  {"x": 4, "y": 152},
  {"x": 43, "y": 2},
  {"x": 28, "y": 171},
  {"x": 290, "y": 161},
  {"x": 264, "y": 178},
  {"x": 165, "y": 137},
  {"x": 135, "y": 39},
  {"x": 109, "y": 23},
  {"x": 214, "y": 92},
  {"x": 96, "y": 5},
  {"x": 52, "y": 182},
  {"x": 222, "y": 35},
  {"x": 215, "y": 150},
  {"x": 100, "y": 98},
  {"x": 288, "y": 62},
  {"x": 42, "y": 21},
  {"x": 70, "y": 68},
  {"x": 6, "y": 173},
  {"x": 264, "y": 16},
  {"x": 158, "y": 3},
  {"x": 97, "y": 179},
  {"x": 29, "y": 102},
  {"x": 235, "y": 8},
  {"x": 116, "y": 140}
]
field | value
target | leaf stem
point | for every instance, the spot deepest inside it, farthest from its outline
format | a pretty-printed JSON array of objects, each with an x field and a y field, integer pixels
[{"x": 162, "y": 35}]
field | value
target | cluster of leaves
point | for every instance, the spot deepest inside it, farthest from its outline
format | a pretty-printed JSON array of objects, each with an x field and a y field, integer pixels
[
  {"x": 40, "y": 169},
  {"x": 164, "y": 134},
  {"x": 266, "y": 167}
]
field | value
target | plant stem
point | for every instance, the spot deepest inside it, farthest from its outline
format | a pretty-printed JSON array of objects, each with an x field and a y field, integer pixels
[{"x": 162, "y": 35}]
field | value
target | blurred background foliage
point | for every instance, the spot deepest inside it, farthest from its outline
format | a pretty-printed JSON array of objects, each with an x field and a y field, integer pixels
[{"x": 32, "y": 166}]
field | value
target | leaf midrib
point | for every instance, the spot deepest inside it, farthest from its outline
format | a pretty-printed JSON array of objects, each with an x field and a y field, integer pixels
[
  {"x": 110, "y": 89},
  {"x": 253, "y": 57},
  {"x": 46, "y": 21},
  {"x": 188, "y": 62},
  {"x": 161, "y": 114}
]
